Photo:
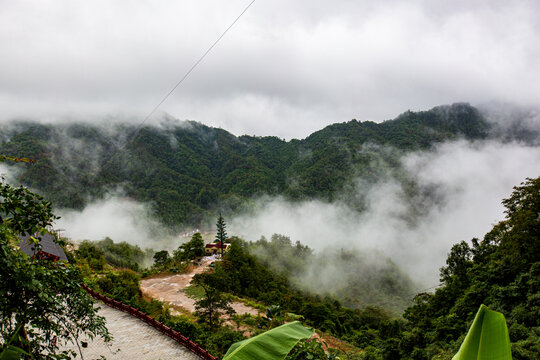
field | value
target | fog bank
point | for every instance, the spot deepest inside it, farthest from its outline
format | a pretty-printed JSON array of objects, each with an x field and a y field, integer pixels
[
  {"x": 465, "y": 182},
  {"x": 117, "y": 217}
]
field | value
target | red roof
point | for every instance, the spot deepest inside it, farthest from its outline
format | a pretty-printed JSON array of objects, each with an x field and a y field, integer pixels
[{"x": 216, "y": 245}]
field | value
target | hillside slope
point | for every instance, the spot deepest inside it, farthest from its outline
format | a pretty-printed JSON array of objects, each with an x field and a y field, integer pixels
[{"x": 185, "y": 169}]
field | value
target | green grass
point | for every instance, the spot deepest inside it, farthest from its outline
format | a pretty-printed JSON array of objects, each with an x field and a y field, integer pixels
[
  {"x": 247, "y": 302},
  {"x": 194, "y": 292}
]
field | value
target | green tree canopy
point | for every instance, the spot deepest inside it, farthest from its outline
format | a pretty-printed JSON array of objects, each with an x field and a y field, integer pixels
[
  {"x": 213, "y": 304},
  {"x": 161, "y": 257},
  {"x": 501, "y": 271},
  {"x": 41, "y": 298},
  {"x": 191, "y": 249},
  {"x": 221, "y": 234}
]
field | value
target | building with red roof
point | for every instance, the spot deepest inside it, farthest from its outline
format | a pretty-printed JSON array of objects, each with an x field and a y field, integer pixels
[{"x": 215, "y": 248}]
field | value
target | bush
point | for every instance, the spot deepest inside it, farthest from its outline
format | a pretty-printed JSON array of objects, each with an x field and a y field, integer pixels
[
  {"x": 92, "y": 254},
  {"x": 219, "y": 341},
  {"x": 122, "y": 285}
]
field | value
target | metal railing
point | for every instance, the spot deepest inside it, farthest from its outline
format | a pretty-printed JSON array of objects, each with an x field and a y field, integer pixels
[{"x": 173, "y": 334}]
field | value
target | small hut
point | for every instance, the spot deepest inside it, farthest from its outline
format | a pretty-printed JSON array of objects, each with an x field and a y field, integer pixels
[{"x": 48, "y": 248}]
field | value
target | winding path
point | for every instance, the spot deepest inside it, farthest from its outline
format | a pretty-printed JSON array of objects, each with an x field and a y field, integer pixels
[{"x": 170, "y": 289}]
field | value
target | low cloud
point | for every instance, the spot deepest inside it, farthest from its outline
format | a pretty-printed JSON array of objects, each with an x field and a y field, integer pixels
[
  {"x": 117, "y": 217},
  {"x": 464, "y": 182},
  {"x": 285, "y": 69},
  {"x": 9, "y": 173}
]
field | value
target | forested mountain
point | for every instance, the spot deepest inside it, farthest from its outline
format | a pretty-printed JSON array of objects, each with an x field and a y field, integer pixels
[
  {"x": 501, "y": 271},
  {"x": 186, "y": 168}
]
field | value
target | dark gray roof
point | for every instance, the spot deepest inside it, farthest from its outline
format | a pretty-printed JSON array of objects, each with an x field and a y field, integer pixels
[{"x": 48, "y": 245}]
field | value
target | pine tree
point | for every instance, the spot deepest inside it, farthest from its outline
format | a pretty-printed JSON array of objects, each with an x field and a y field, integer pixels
[{"x": 221, "y": 235}]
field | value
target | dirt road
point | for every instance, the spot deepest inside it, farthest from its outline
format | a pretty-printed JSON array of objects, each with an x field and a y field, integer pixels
[{"x": 171, "y": 289}]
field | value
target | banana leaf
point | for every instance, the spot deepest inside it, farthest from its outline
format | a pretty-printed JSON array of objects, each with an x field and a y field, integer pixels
[
  {"x": 274, "y": 344},
  {"x": 11, "y": 352},
  {"x": 487, "y": 338}
]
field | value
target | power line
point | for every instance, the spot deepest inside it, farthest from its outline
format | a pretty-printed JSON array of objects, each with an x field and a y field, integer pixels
[
  {"x": 133, "y": 136},
  {"x": 424, "y": 290},
  {"x": 194, "y": 66}
]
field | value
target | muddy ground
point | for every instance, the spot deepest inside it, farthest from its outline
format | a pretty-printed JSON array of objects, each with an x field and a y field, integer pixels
[{"x": 170, "y": 289}]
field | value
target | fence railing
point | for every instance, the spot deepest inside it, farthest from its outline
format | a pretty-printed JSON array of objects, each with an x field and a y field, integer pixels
[{"x": 173, "y": 334}]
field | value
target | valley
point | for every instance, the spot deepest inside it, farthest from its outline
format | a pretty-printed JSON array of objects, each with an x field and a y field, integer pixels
[
  {"x": 270, "y": 180},
  {"x": 342, "y": 230}
]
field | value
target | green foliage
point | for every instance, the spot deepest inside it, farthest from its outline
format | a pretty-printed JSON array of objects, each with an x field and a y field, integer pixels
[
  {"x": 8, "y": 351},
  {"x": 381, "y": 282},
  {"x": 195, "y": 291},
  {"x": 502, "y": 271},
  {"x": 274, "y": 344},
  {"x": 23, "y": 211},
  {"x": 310, "y": 350},
  {"x": 221, "y": 339},
  {"x": 174, "y": 265},
  {"x": 213, "y": 305},
  {"x": 244, "y": 275},
  {"x": 221, "y": 234},
  {"x": 41, "y": 302},
  {"x": 487, "y": 338},
  {"x": 122, "y": 285},
  {"x": 184, "y": 326},
  {"x": 186, "y": 171},
  {"x": 281, "y": 254},
  {"x": 161, "y": 257},
  {"x": 241, "y": 274},
  {"x": 191, "y": 249},
  {"x": 122, "y": 254},
  {"x": 92, "y": 254},
  {"x": 99, "y": 253},
  {"x": 273, "y": 317}
]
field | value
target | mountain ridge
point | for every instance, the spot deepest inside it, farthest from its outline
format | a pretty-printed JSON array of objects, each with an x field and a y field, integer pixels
[{"x": 187, "y": 169}]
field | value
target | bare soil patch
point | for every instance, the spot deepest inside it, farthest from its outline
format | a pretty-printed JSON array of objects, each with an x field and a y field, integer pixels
[{"x": 170, "y": 289}]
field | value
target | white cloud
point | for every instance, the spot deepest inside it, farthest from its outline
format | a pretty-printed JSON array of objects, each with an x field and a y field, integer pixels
[
  {"x": 469, "y": 180},
  {"x": 285, "y": 69},
  {"x": 119, "y": 218}
]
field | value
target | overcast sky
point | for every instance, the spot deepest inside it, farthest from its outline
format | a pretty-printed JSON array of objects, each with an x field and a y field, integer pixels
[{"x": 287, "y": 68}]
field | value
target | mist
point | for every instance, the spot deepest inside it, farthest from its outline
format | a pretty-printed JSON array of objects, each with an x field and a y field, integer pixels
[
  {"x": 466, "y": 182},
  {"x": 294, "y": 67},
  {"x": 458, "y": 188},
  {"x": 116, "y": 217}
]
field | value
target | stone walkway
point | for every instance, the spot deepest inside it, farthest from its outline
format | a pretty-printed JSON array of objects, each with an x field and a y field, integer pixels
[{"x": 133, "y": 340}]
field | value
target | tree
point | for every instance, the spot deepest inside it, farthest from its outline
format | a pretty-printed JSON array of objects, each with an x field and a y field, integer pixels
[
  {"x": 458, "y": 263},
  {"x": 519, "y": 233},
  {"x": 94, "y": 256},
  {"x": 161, "y": 257},
  {"x": 122, "y": 285},
  {"x": 41, "y": 301},
  {"x": 221, "y": 235},
  {"x": 213, "y": 304},
  {"x": 501, "y": 271},
  {"x": 196, "y": 245},
  {"x": 192, "y": 249}
]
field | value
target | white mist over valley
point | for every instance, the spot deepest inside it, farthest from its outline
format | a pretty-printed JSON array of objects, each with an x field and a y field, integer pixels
[
  {"x": 469, "y": 179},
  {"x": 270, "y": 179},
  {"x": 466, "y": 182}
]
